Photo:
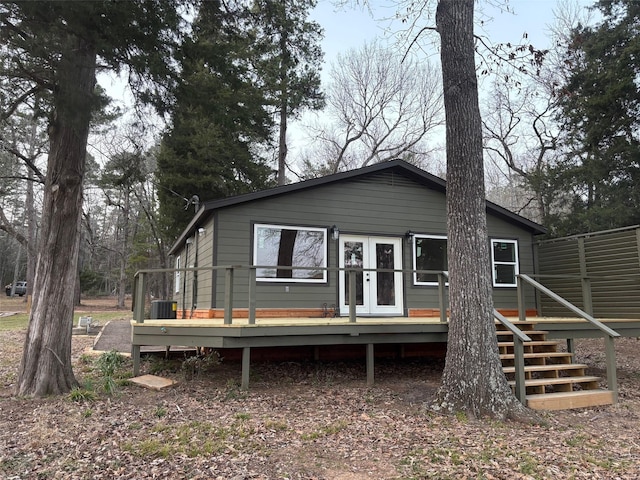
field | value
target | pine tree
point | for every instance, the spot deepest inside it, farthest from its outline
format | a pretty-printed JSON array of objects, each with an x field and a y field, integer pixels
[
  {"x": 287, "y": 59},
  {"x": 600, "y": 104},
  {"x": 53, "y": 50},
  {"x": 217, "y": 124}
]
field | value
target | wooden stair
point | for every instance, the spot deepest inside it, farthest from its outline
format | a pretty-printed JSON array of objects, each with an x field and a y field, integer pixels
[{"x": 552, "y": 380}]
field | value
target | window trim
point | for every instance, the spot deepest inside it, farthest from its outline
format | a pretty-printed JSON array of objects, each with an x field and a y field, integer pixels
[
  {"x": 325, "y": 247},
  {"x": 414, "y": 244},
  {"x": 515, "y": 263}
]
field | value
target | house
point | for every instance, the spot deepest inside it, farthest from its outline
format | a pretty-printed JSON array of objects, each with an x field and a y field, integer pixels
[
  {"x": 258, "y": 272},
  {"x": 301, "y": 239}
]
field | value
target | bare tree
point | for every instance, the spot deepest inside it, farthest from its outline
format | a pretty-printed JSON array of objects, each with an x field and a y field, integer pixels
[
  {"x": 522, "y": 136},
  {"x": 521, "y": 139},
  {"x": 381, "y": 107}
]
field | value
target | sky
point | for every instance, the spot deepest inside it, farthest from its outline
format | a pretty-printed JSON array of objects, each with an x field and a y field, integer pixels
[{"x": 350, "y": 28}]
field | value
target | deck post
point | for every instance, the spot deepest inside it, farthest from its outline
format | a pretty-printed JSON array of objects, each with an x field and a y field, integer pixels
[
  {"x": 587, "y": 301},
  {"x": 352, "y": 295},
  {"x": 518, "y": 362},
  {"x": 571, "y": 346},
  {"x": 228, "y": 296},
  {"x": 442, "y": 297},
  {"x": 612, "y": 380},
  {"x": 252, "y": 295},
  {"x": 585, "y": 281},
  {"x": 370, "y": 364},
  {"x": 246, "y": 361},
  {"x": 522, "y": 304},
  {"x": 139, "y": 289}
]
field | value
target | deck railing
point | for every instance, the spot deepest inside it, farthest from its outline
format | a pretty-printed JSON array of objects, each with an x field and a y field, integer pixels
[
  {"x": 519, "y": 337},
  {"x": 607, "y": 333},
  {"x": 141, "y": 281}
]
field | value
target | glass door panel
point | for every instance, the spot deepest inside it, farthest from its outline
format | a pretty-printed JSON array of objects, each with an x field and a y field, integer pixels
[
  {"x": 377, "y": 292},
  {"x": 353, "y": 256},
  {"x": 385, "y": 284}
]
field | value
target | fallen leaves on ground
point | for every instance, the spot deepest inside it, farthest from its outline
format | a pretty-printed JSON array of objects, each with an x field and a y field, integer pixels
[{"x": 308, "y": 421}]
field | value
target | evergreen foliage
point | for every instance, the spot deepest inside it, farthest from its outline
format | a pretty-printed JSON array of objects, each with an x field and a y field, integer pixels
[
  {"x": 50, "y": 54},
  {"x": 287, "y": 60},
  {"x": 599, "y": 110},
  {"x": 218, "y": 120}
]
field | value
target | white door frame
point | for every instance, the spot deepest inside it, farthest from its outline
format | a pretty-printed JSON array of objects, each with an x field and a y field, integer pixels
[{"x": 365, "y": 257}]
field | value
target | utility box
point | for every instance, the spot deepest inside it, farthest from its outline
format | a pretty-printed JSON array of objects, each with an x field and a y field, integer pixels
[{"x": 161, "y": 309}]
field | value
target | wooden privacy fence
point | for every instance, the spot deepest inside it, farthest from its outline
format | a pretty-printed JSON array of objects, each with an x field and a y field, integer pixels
[{"x": 598, "y": 272}]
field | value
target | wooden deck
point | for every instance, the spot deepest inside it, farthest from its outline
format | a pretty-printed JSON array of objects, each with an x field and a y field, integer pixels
[{"x": 280, "y": 332}]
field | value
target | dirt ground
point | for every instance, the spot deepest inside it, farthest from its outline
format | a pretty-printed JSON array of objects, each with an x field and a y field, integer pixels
[{"x": 304, "y": 420}]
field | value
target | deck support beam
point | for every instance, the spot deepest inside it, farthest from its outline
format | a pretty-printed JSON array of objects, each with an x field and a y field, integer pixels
[
  {"x": 246, "y": 362},
  {"x": 571, "y": 346},
  {"x": 135, "y": 356},
  {"x": 370, "y": 364}
]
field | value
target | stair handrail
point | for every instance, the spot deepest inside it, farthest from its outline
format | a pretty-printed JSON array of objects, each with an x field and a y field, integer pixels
[
  {"x": 610, "y": 334},
  {"x": 519, "y": 337},
  {"x": 581, "y": 313}
]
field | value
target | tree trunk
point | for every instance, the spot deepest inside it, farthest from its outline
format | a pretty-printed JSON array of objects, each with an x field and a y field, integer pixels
[
  {"x": 46, "y": 361},
  {"x": 124, "y": 247},
  {"x": 473, "y": 381},
  {"x": 30, "y": 213},
  {"x": 284, "y": 106}
]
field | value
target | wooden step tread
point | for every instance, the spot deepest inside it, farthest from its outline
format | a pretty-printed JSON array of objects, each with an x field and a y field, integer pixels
[
  {"x": 511, "y": 356},
  {"x": 527, "y": 332},
  {"x": 535, "y": 343},
  {"x": 515, "y": 321},
  {"x": 566, "y": 400},
  {"x": 536, "y": 382},
  {"x": 547, "y": 368}
]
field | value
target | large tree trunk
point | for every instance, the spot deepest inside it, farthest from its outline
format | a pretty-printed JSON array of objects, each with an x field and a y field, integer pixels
[
  {"x": 473, "y": 380},
  {"x": 46, "y": 361}
]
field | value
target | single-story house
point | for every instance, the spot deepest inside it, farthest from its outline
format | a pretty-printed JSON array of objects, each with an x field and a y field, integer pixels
[{"x": 300, "y": 238}]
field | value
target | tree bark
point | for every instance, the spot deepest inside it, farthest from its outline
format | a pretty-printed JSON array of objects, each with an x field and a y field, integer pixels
[
  {"x": 473, "y": 381},
  {"x": 124, "y": 246},
  {"x": 284, "y": 107},
  {"x": 45, "y": 368}
]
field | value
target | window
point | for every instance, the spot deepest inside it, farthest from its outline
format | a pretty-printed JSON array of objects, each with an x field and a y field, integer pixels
[
  {"x": 285, "y": 246},
  {"x": 504, "y": 260},
  {"x": 430, "y": 253},
  {"x": 177, "y": 276}
]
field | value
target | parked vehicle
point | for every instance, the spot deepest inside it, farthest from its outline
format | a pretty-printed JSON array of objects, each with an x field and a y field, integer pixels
[{"x": 21, "y": 289}]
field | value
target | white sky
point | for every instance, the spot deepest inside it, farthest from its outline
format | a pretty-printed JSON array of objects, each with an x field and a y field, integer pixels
[{"x": 350, "y": 28}]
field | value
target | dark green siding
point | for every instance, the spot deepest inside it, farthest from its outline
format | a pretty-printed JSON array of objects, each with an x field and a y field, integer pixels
[
  {"x": 611, "y": 262},
  {"x": 382, "y": 204}
]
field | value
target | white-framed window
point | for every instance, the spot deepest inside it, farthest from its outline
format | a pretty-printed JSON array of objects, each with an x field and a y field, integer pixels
[
  {"x": 429, "y": 253},
  {"x": 176, "y": 287},
  {"x": 290, "y": 246},
  {"x": 504, "y": 262}
]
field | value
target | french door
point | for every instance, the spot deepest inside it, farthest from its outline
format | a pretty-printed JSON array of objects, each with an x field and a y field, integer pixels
[{"x": 377, "y": 293}]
